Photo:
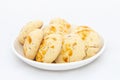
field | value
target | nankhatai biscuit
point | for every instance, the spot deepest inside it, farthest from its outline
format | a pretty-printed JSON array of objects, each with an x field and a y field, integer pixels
[
  {"x": 58, "y": 25},
  {"x": 66, "y": 25},
  {"x": 55, "y": 28},
  {"x": 91, "y": 39},
  {"x": 32, "y": 43},
  {"x": 28, "y": 28},
  {"x": 73, "y": 49},
  {"x": 49, "y": 48}
]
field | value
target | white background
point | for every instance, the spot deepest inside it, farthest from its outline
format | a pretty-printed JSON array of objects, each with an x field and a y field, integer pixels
[{"x": 102, "y": 15}]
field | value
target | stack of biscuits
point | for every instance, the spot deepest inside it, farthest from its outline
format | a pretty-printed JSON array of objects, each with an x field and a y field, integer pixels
[{"x": 58, "y": 42}]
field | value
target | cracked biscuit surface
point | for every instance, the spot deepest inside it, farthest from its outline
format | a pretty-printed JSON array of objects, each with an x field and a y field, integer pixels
[
  {"x": 49, "y": 48},
  {"x": 28, "y": 28},
  {"x": 66, "y": 26},
  {"x": 59, "y": 26},
  {"x": 73, "y": 49},
  {"x": 91, "y": 39},
  {"x": 32, "y": 43}
]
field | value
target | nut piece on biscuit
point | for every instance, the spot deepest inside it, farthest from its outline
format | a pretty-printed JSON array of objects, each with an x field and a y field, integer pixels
[
  {"x": 91, "y": 39},
  {"x": 32, "y": 43},
  {"x": 49, "y": 48},
  {"x": 73, "y": 49},
  {"x": 28, "y": 28}
]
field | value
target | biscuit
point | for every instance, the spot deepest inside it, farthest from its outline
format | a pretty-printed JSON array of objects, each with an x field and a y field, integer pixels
[
  {"x": 49, "y": 48},
  {"x": 91, "y": 51},
  {"x": 73, "y": 49},
  {"x": 66, "y": 27},
  {"x": 28, "y": 28},
  {"x": 91, "y": 39},
  {"x": 32, "y": 43},
  {"x": 55, "y": 28}
]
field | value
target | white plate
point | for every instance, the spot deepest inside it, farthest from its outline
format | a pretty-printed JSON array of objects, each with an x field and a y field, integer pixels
[{"x": 17, "y": 49}]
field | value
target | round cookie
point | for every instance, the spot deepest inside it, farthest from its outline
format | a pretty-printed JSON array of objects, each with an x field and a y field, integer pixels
[
  {"x": 66, "y": 27},
  {"x": 91, "y": 39},
  {"x": 73, "y": 49},
  {"x": 54, "y": 28},
  {"x": 60, "y": 21},
  {"x": 49, "y": 48},
  {"x": 32, "y": 43},
  {"x": 28, "y": 28}
]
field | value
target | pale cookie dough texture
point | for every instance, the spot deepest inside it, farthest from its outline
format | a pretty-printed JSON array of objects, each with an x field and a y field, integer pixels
[
  {"x": 28, "y": 28},
  {"x": 32, "y": 43},
  {"x": 92, "y": 40},
  {"x": 49, "y": 48},
  {"x": 57, "y": 25},
  {"x": 66, "y": 26},
  {"x": 73, "y": 49}
]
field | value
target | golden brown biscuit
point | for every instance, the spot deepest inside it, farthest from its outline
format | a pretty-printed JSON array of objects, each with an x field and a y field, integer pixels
[
  {"x": 73, "y": 49},
  {"x": 32, "y": 43},
  {"x": 28, "y": 28},
  {"x": 92, "y": 40},
  {"x": 49, "y": 48}
]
